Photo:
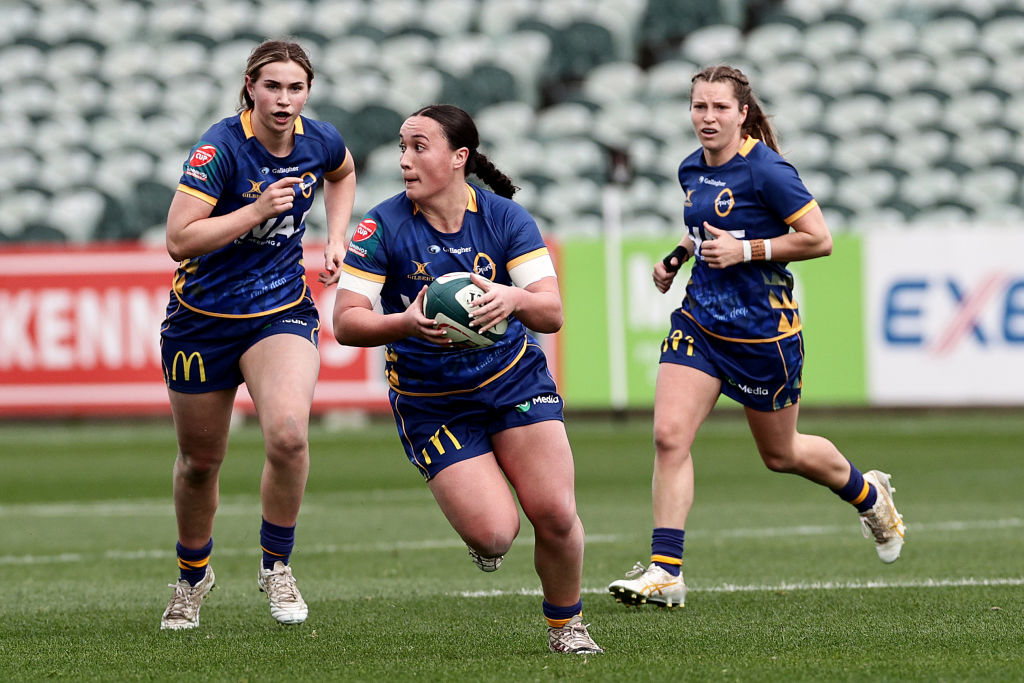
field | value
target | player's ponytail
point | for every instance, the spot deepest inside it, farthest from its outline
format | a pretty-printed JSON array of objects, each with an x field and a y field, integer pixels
[
  {"x": 486, "y": 171},
  {"x": 756, "y": 124},
  {"x": 458, "y": 127}
]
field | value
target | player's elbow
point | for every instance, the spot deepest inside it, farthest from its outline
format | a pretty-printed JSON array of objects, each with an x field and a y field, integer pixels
[
  {"x": 548, "y": 323},
  {"x": 176, "y": 250},
  {"x": 346, "y": 328},
  {"x": 825, "y": 247}
]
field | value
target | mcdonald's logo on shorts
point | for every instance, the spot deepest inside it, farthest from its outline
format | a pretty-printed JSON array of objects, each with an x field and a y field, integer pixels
[{"x": 186, "y": 365}]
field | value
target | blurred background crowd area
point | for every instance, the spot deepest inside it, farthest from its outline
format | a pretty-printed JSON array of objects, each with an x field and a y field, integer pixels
[{"x": 896, "y": 112}]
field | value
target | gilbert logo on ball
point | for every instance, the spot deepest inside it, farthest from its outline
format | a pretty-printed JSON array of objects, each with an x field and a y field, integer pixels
[{"x": 448, "y": 300}]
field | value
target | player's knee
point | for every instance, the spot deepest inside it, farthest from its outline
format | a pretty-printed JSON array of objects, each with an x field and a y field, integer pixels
[
  {"x": 778, "y": 459},
  {"x": 493, "y": 542},
  {"x": 286, "y": 440},
  {"x": 198, "y": 466},
  {"x": 669, "y": 444},
  {"x": 555, "y": 520}
]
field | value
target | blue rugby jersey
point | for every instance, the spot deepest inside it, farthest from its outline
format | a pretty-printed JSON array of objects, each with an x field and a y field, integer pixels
[
  {"x": 755, "y": 195},
  {"x": 396, "y": 246},
  {"x": 261, "y": 272}
]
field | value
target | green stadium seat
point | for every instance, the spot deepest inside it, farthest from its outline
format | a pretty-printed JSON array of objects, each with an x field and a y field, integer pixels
[
  {"x": 668, "y": 22},
  {"x": 578, "y": 48}
]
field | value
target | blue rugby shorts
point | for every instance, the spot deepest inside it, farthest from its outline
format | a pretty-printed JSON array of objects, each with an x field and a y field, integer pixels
[
  {"x": 200, "y": 353},
  {"x": 763, "y": 375},
  {"x": 441, "y": 430}
]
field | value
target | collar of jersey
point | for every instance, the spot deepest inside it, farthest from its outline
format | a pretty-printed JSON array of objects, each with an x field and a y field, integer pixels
[
  {"x": 246, "y": 118},
  {"x": 470, "y": 205}
]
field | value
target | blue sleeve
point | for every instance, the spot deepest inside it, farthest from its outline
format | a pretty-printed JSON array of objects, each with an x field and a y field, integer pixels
[
  {"x": 336, "y": 148},
  {"x": 210, "y": 165},
  {"x": 780, "y": 188},
  {"x": 366, "y": 253},
  {"x": 524, "y": 235}
]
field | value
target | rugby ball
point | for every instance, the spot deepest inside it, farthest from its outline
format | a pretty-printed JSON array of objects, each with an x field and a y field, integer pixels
[{"x": 448, "y": 301}]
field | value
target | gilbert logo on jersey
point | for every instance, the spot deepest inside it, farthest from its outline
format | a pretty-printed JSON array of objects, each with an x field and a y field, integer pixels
[{"x": 255, "y": 189}]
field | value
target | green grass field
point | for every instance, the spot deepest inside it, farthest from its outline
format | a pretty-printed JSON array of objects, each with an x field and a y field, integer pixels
[{"x": 782, "y": 584}]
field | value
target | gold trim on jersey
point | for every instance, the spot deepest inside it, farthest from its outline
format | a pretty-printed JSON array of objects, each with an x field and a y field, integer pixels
[
  {"x": 528, "y": 256},
  {"x": 747, "y": 145},
  {"x": 179, "y": 285},
  {"x": 787, "y": 328},
  {"x": 392, "y": 378},
  {"x": 800, "y": 212},
  {"x": 363, "y": 274},
  {"x": 471, "y": 205},
  {"x": 246, "y": 118},
  {"x": 198, "y": 194}
]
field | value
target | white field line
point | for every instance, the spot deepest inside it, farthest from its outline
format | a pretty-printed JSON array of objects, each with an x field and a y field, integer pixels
[
  {"x": 787, "y": 586},
  {"x": 442, "y": 544}
]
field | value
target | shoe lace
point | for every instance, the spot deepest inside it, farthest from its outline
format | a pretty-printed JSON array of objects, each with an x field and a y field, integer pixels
[
  {"x": 638, "y": 569},
  {"x": 181, "y": 602},
  {"x": 882, "y": 524},
  {"x": 575, "y": 636},
  {"x": 281, "y": 584}
]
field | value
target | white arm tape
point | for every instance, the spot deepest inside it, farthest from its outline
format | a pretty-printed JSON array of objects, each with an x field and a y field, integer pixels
[
  {"x": 368, "y": 288},
  {"x": 535, "y": 269}
]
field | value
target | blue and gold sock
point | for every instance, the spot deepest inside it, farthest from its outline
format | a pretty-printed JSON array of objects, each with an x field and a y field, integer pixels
[
  {"x": 277, "y": 543},
  {"x": 192, "y": 562},
  {"x": 859, "y": 493},
  {"x": 560, "y": 616},
  {"x": 667, "y": 549}
]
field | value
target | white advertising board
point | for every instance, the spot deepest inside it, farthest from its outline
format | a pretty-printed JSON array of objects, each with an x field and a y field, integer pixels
[{"x": 945, "y": 316}]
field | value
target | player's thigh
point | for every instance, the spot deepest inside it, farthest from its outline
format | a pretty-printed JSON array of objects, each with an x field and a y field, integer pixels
[
  {"x": 280, "y": 373},
  {"x": 201, "y": 423},
  {"x": 475, "y": 498},
  {"x": 774, "y": 431},
  {"x": 683, "y": 398},
  {"x": 538, "y": 461}
]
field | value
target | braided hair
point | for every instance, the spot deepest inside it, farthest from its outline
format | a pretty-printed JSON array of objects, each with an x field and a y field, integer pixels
[
  {"x": 460, "y": 131},
  {"x": 756, "y": 124}
]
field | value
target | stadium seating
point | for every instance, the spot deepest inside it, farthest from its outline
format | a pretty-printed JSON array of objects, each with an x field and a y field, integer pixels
[{"x": 892, "y": 110}]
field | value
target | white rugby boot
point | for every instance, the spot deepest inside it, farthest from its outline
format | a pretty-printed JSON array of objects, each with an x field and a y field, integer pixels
[
  {"x": 183, "y": 610},
  {"x": 882, "y": 522},
  {"x": 286, "y": 603},
  {"x": 573, "y": 638},
  {"x": 649, "y": 585},
  {"x": 486, "y": 564}
]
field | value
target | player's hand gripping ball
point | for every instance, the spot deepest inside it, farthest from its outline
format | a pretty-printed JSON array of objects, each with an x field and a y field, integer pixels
[{"x": 447, "y": 301}]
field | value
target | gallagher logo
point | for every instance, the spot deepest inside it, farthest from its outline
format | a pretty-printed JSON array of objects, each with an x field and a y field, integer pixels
[
  {"x": 365, "y": 230},
  {"x": 202, "y": 155}
]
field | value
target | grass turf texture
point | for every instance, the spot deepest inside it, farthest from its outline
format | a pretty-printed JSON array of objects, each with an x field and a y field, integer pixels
[{"x": 782, "y": 585}]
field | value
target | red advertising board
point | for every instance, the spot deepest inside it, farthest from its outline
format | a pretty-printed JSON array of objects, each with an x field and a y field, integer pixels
[{"x": 80, "y": 335}]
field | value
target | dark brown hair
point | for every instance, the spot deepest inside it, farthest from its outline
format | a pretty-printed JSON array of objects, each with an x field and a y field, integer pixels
[
  {"x": 756, "y": 124},
  {"x": 460, "y": 131},
  {"x": 268, "y": 52}
]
